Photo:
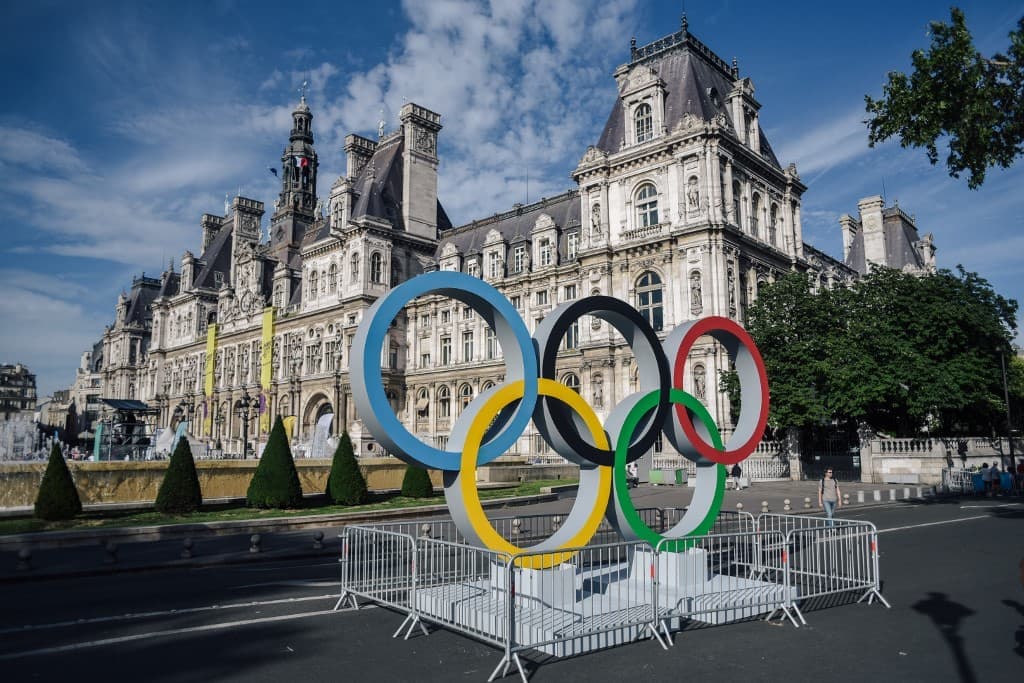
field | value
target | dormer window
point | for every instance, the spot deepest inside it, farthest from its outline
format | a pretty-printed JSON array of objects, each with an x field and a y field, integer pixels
[
  {"x": 572, "y": 245},
  {"x": 473, "y": 268},
  {"x": 545, "y": 252},
  {"x": 643, "y": 123}
]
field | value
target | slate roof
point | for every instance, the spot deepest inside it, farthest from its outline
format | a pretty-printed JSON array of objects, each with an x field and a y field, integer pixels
[
  {"x": 217, "y": 258},
  {"x": 516, "y": 225},
  {"x": 900, "y": 239},
  {"x": 144, "y": 291},
  {"x": 690, "y": 70}
]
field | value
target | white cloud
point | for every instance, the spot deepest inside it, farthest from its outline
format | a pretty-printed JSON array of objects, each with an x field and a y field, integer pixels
[
  {"x": 827, "y": 145},
  {"x": 29, "y": 149}
]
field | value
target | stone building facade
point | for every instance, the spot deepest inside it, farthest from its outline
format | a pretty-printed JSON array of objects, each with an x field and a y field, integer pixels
[{"x": 680, "y": 208}]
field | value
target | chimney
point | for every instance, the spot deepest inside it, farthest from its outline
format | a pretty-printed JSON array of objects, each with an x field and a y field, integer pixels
[
  {"x": 211, "y": 225},
  {"x": 419, "y": 170},
  {"x": 358, "y": 151},
  {"x": 870, "y": 209},
  {"x": 849, "y": 225}
]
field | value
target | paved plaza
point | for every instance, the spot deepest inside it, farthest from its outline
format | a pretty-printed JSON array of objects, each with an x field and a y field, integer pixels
[{"x": 949, "y": 567}]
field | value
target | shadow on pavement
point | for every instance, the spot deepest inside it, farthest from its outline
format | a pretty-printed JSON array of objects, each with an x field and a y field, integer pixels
[
  {"x": 947, "y": 616},
  {"x": 1019, "y": 634}
]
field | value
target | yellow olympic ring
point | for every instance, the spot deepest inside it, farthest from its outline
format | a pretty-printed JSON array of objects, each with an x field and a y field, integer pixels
[{"x": 471, "y": 497}]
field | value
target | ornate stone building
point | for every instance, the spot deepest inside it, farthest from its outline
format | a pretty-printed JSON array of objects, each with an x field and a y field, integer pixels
[{"x": 681, "y": 208}]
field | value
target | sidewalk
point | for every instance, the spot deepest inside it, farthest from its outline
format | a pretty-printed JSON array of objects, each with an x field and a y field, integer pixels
[{"x": 88, "y": 552}]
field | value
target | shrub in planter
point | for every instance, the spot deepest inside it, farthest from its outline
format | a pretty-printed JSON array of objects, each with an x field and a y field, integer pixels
[
  {"x": 346, "y": 484},
  {"x": 58, "y": 496},
  {"x": 276, "y": 481},
  {"x": 179, "y": 491}
]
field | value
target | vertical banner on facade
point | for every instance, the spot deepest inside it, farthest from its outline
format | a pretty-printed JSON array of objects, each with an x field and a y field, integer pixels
[
  {"x": 266, "y": 367},
  {"x": 289, "y": 427},
  {"x": 211, "y": 359}
]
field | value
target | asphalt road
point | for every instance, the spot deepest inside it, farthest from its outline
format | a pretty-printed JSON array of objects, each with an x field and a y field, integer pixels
[{"x": 949, "y": 568}]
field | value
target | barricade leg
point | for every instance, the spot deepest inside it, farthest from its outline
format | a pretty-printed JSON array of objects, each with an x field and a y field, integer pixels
[
  {"x": 346, "y": 597},
  {"x": 506, "y": 662},
  {"x": 413, "y": 620}
]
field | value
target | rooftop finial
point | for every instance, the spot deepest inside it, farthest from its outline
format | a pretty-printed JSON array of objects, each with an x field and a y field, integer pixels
[
  {"x": 632, "y": 46},
  {"x": 685, "y": 23},
  {"x": 380, "y": 124},
  {"x": 302, "y": 90},
  {"x": 735, "y": 68}
]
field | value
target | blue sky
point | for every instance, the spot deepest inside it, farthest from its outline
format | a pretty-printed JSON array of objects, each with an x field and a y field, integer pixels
[{"x": 122, "y": 123}]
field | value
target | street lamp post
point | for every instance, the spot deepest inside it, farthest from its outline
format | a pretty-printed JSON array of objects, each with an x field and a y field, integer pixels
[
  {"x": 1006, "y": 397},
  {"x": 244, "y": 411}
]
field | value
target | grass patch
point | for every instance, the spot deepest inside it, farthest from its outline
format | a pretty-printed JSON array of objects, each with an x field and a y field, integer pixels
[{"x": 239, "y": 512}]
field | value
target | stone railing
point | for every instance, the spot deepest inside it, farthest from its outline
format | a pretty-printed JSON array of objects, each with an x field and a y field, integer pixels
[{"x": 644, "y": 233}]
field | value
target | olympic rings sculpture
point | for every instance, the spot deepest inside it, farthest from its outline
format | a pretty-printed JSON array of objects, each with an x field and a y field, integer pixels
[{"x": 491, "y": 423}]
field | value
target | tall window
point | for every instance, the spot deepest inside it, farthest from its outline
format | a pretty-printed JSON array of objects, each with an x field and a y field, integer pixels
[
  {"x": 493, "y": 265},
  {"x": 444, "y": 401},
  {"x": 572, "y": 336},
  {"x": 572, "y": 244},
  {"x": 572, "y": 381},
  {"x": 773, "y": 220},
  {"x": 465, "y": 396},
  {"x": 312, "y": 285},
  {"x": 755, "y": 214},
  {"x": 518, "y": 259},
  {"x": 643, "y": 122},
  {"x": 332, "y": 278},
  {"x": 446, "y": 351},
  {"x": 545, "y": 252},
  {"x": 737, "y": 193},
  {"x": 491, "y": 344},
  {"x": 646, "y": 206},
  {"x": 473, "y": 268},
  {"x": 517, "y": 302},
  {"x": 542, "y": 297},
  {"x": 353, "y": 267},
  {"x": 467, "y": 347},
  {"x": 649, "y": 299},
  {"x": 393, "y": 356},
  {"x": 569, "y": 293},
  {"x": 377, "y": 268}
]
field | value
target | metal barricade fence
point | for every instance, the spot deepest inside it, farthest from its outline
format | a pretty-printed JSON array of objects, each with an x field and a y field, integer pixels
[
  {"x": 598, "y": 597},
  {"x": 833, "y": 560},
  {"x": 377, "y": 565},
  {"x": 721, "y": 578},
  {"x": 957, "y": 480},
  {"x": 771, "y": 521}
]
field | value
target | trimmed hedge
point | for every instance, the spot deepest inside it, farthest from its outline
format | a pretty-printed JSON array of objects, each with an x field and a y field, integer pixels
[
  {"x": 58, "y": 496},
  {"x": 416, "y": 483},
  {"x": 179, "y": 491},
  {"x": 346, "y": 484},
  {"x": 276, "y": 481}
]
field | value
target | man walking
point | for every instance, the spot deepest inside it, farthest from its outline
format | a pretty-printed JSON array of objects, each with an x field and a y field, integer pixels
[{"x": 829, "y": 496}]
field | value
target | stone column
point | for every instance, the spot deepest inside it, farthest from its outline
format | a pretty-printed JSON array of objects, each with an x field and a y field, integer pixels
[{"x": 727, "y": 209}]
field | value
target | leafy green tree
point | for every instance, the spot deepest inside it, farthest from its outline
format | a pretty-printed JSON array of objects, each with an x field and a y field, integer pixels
[
  {"x": 896, "y": 351},
  {"x": 58, "y": 497},
  {"x": 955, "y": 93},
  {"x": 416, "y": 483},
  {"x": 346, "y": 484},
  {"x": 179, "y": 491},
  {"x": 276, "y": 481}
]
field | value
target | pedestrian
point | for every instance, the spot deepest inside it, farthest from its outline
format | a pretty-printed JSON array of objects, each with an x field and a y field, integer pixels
[
  {"x": 993, "y": 474},
  {"x": 736, "y": 472},
  {"x": 986, "y": 479},
  {"x": 632, "y": 475},
  {"x": 829, "y": 497}
]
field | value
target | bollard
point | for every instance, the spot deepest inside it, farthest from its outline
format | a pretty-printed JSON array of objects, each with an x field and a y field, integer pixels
[
  {"x": 785, "y": 505},
  {"x": 739, "y": 507},
  {"x": 424, "y": 531},
  {"x": 846, "y": 499},
  {"x": 860, "y": 496},
  {"x": 254, "y": 543},
  {"x": 807, "y": 503},
  {"x": 556, "y": 522},
  {"x": 516, "y": 524},
  {"x": 318, "y": 540},
  {"x": 877, "y": 495},
  {"x": 764, "y": 506},
  {"x": 24, "y": 560},
  {"x": 186, "y": 553},
  {"x": 110, "y": 553}
]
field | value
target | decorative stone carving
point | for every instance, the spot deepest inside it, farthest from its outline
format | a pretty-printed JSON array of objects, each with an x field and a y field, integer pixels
[
  {"x": 700, "y": 382},
  {"x": 693, "y": 193},
  {"x": 425, "y": 141},
  {"x": 696, "y": 299}
]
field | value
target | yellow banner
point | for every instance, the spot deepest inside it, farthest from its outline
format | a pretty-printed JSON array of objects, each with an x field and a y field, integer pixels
[
  {"x": 211, "y": 359},
  {"x": 289, "y": 427},
  {"x": 266, "y": 367}
]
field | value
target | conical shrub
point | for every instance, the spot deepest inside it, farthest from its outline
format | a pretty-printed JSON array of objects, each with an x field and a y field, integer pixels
[
  {"x": 416, "y": 483},
  {"x": 58, "y": 496},
  {"x": 276, "y": 481},
  {"x": 346, "y": 484},
  {"x": 179, "y": 491}
]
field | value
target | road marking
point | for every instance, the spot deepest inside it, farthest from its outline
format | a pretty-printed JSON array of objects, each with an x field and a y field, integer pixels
[
  {"x": 169, "y": 632},
  {"x": 948, "y": 521},
  {"x": 164, "y": 613},
  {"x": 292, "y": 583},
  {"x": 989, "y": 507}
]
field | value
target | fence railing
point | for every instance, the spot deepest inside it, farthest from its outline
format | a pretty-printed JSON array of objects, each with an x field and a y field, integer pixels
[
  {"x": 957, "y": 480},
  {"x": 606, "y": 593}
]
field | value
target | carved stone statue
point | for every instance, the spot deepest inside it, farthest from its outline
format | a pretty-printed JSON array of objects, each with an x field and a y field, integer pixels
[
  {"x": 693, "y": 194},
  {"x": 700, "y": 382},
  {"x": 595, "y": 221},
  {"x": 598, "y": 391},
  {"x": 696, "y": 299}
]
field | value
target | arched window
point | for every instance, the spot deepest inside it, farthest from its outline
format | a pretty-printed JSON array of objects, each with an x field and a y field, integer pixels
[
  {"x": 377, "y": 268},
  {"x": 312, "y": 285},
  {"x": 643, "y": 123},
  {"x": 755, "y": 214},
  {"x": 773, "y": 220},
  {"x": 323, "y": 282},
  {"x": 571, "y": 380},
  {"x": 737, "y": 195},
  {"x": 332, "y": 278},
  {"x": 423, "y": 402},
  {"x": 649, "y": 299},
  {"x": 646, "y": 205},
  {"x": 465, "y": 396},
  {"x": 354, "y": 267},
  {"x": 444, "y": 402}
]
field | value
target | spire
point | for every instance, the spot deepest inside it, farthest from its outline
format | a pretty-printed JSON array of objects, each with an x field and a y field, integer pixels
[
  {"x": 684, "y": 24},
  {"x": 299, "y": 162}
]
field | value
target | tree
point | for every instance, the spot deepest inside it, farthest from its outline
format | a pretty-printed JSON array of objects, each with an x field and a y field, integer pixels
[
  {"x": 276, "y": 481},
  {"x": 179, "y": 491},
  {"x": 58, "y": 497},
  {"x": 955, "y": 92},
  {"x": 416, "y": 483},
  {"x": 899, "y": 352},
  {"x": 346, "y": 484}
]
